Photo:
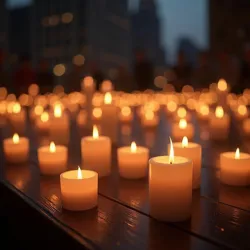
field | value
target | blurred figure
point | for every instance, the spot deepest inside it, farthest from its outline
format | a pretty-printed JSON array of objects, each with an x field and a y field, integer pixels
[
  {"x": 73, "y": 82},
  {"x": 204, "y": 74},
  {"x": 124, "y": 80},
  {"x": 182, "y": 71},
  {"x": 45, "y": 78},
  {"x": 244, "y": 80},
  {"x": 143, "y": 71},
  {"x": 97, "y": 74},
  {"x": 24, "y": 76},
  {"x": 4, "y": 76}
]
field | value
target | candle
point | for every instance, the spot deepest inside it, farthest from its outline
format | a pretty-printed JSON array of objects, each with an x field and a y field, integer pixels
[
  {"x": 43, "y": 123},
  {"x": 16, "y": 149},
  {"x": 126, "y": 114},
  {"x": 79, "y": 189},
  {"x": 149, "y": 119},
  {"x": 235, "y": 168},
  {"x": 106, "y": 86},
  {"x": 241, "y": 112},
  {"x": 109, "y": 118},
  {"x": 181, "y": 129},
  {"x": 133, "y": 161},
  {"x": 219, "y": 124},
  {"x": 246, "y": 126},
  {"x": 96, "y": 153},
  {"x": 182, "y": 114},
  {"x": 170, "y": 187},
  {"x": 222, "y": 91},
  {"x": 82, "y": 118},
  {"x": 191, "y": 151},
  {"x": 96, "y": 115},
  {"x": 203, "y": 112},
  {"x": 18, "y": 118},
  {"x": 36, "y": 112},
  {"x": 52, "y": 159},
  {"x": 171, "y": 107}
]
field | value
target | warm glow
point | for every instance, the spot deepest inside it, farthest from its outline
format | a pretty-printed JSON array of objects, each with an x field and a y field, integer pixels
[
  {"x": 33, "y": 89},
  {"x": 52, "y": 147},
  {"x": 149, "y": 115},
  {"x": 133, "y": 147},
  {"x": 57, "y": 110},
  {"x": 59, "y": 70},
  {"x": 79, "y": 173},
  {"x": 108, "y": 98},
  {"x": 242, "y": 110},
  {"x": 204, "y": 110},
  {"x": 95, "y": 132},
  {"x": 219, "y": 112},
  {"x": 16, "y": 108},
  {"x": 15, "y": 138},
  {"x": 44, "y": 117},
  {"x": 126, "y": 111},
  {"x": 97, "y": 112},
  {"x": 38, "y": 110},
  {"x": 181, "y": 112},
  {"x": 182, "y": 123},
  {"x": 237, "y": 153},
  {"x": 184, "y": 142},
  {"x": 171, "y": 152},
  {"x": 172, "y": 106},
  {"x": 222, "y": 85}
]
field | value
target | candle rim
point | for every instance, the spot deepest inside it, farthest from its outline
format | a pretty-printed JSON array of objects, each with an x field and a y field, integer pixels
[
  {"x": 189, "y": 146},
  {"x": 100, "y": 138},
  {"x": 139, "y": 149},
  {"x": 231, "y": 155},
  {"x": 58, "y": 148},
  {"x": 175, "y": 164},
  {"x": 90, "y": 174}
]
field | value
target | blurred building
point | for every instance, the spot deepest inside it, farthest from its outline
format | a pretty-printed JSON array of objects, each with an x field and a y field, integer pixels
[
  {"x": 229, "y": 25},
  {"x": 146, "y": 32},
  {"x": 3, "y": 26},
  {"x": 93, "y": 32}
]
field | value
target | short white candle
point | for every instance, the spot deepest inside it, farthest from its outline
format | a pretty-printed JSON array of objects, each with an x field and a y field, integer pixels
[
  {"x": 126, "y": 114},
  {"x": 52, "y": 159},
  {"x": 191, "y": 151},
  {"x": 16, "y": 149},
  {"x": 181, "y": 129},
  {"x": 219, "y": 124},
  {"x": 96, "y": 153},
  {"x": 42, "y": 122},
  {"x": 235, "y": 168},
  {"x": 149, "y": 119},
  {"x": 109, "y": 121},
  {"x": 79, "y": 189},
  {"x": 170, "y": 187},
  {"x": 133, "y": 161}
]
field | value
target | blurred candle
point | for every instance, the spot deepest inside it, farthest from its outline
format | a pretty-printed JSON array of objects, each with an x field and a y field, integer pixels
[
  {"x": 52, "y": 159},
  {"x": 203, "y": 112},
  {"x": 222, "y": 91},
  {"x": 96, "y": 153},
  {"x": 82, "y": 118},
  {"x": 18, "y": 118},
  {"x": 36, "y": 112},
  {"x": 96, "y": 114},
  {"x": 241, "y": 112},
  {"x": 149, "y": 119},
  {"x": 235, "y": 168},
  {"x": 133, "y": 161},
  {"x": 171, "y": 107},
  {"x": 246, "y": 127},
  {"x": 182, "y": 114},
  {"x": 126, "y": 114},
  {"x": 16, "y": 149},
  {"x": 170, "y": 187},
  {"x": 181, "y": 129},
  {"x": 106, "y": 86},
  {"x": 42, "y": 122},
  {"x": 79, "y": 189}
]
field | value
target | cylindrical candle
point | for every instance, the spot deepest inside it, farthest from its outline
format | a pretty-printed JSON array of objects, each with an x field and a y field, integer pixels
[
  {"x": 182, "y": 113},
  {"x": 18, "y": 118},
  {"x": 126, "y": 114},
  {"x": 181, "y": 129},
  {"x": 96, "y": 153},
  {"x": 241, "y": 113},
  {"x": 235, "y": 168},
  {"x": 52, "y": 159},
  {"x": 79, "y": 189},
  {"x": 149, "y": 119},
  {"x": 170, "y": 188},
  {"x": 36, "y": 112},
  {"x": 191, "y": 151},
  {"x": 96, "y": 115},
  {"x": 16, "y": 149},
  {"x": 43, "y": 123},
  {"x": 203, "y": 112},
  {"x": 133, "y": 161}
]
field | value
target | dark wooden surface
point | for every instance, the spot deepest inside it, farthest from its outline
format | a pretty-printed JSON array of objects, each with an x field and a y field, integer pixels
[{"x": 220, "y": 217}]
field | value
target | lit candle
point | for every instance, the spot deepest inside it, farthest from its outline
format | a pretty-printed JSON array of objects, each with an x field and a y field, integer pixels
[
  {"x": 126, "y": 114},
  {"x": 52, "y": 159},
  {"x": 235, "y": 168},
  {"x": 133, "y": 161},
  {"x": 149, "y": 119},
  {"x": 219, "y": 124},
  {"x": 43, "y": 123},
  {"x": 170, "y": 187},
  {"x": 191, "y": 151},
  {"x": 203, "y": 112},
  {"x": 182, "y": 114},
  {"x": 79, "y": 189},
  {"x": 171, "y": 107},
  {"x": 18, "y": 117},
  {"x": 106, "y": 86},
  {"x": 96, "y": 153},
  {"x": 82, "y": 118},
  {"x": 246, "y": 126},
  {"x": 109, "y": 118},
  {"x": 96, "y": 114},
  {"x": 16, "y": 149},
  {"x": 241, "y": 112},
  {"x": 36, "y": 112},
  {"x": 181, "y": 129}
]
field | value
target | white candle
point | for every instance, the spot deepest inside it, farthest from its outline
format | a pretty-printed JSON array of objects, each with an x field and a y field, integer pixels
[
  {"x": 170, "y": 187},
  {"x": 149, "y": 119},
  {"x": 181, "y": 129},
  {"x": 43, "y": 123},
  {"x": 96, "y": 153},
  {"x": 133, "y": 161},
  {"x": 52, "y": 159},
  {"x": 109, "y": 119},
  {"x": 219, "y": 124},
  {"x": 126, "y": 114},
  {"x": 16, "y": 149},
  {"x": 235, "y": 168},
  {"x": 79, "y": 189},
  {"x": 191, "y": 151}
]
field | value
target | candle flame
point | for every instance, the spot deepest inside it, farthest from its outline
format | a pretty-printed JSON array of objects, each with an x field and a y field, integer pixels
[
  {"x": 133, "y": 147},
  {"x": 95, "y": 132},
  {"x": 184, "y": 142},
  {"x": 15, "y": 138},
  {"x": 16, "y": 108},
  {"x": 97, "y": 112},
  {"x": 222, "y": 85},
  {"x": 171, "y": 152},
  {"x": 79, "y": 173},
  {"x": 171, "y": 106},
  {"x": 38, "y": 110},
  {"x": 57, "y": 110},
  {"x": 52, "y": 147},
  {"x": 219, "y": 112},
  {"x": 237, "y": 154},
  {"x": 182, "y": 124},
  {"x": 108, "y": 98},
  {"x": 242, "y": 110},
  {"x": 44, "y": 117},
  {"x": 204, "y": 109},
  {"x": 181, "y": 112}
]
